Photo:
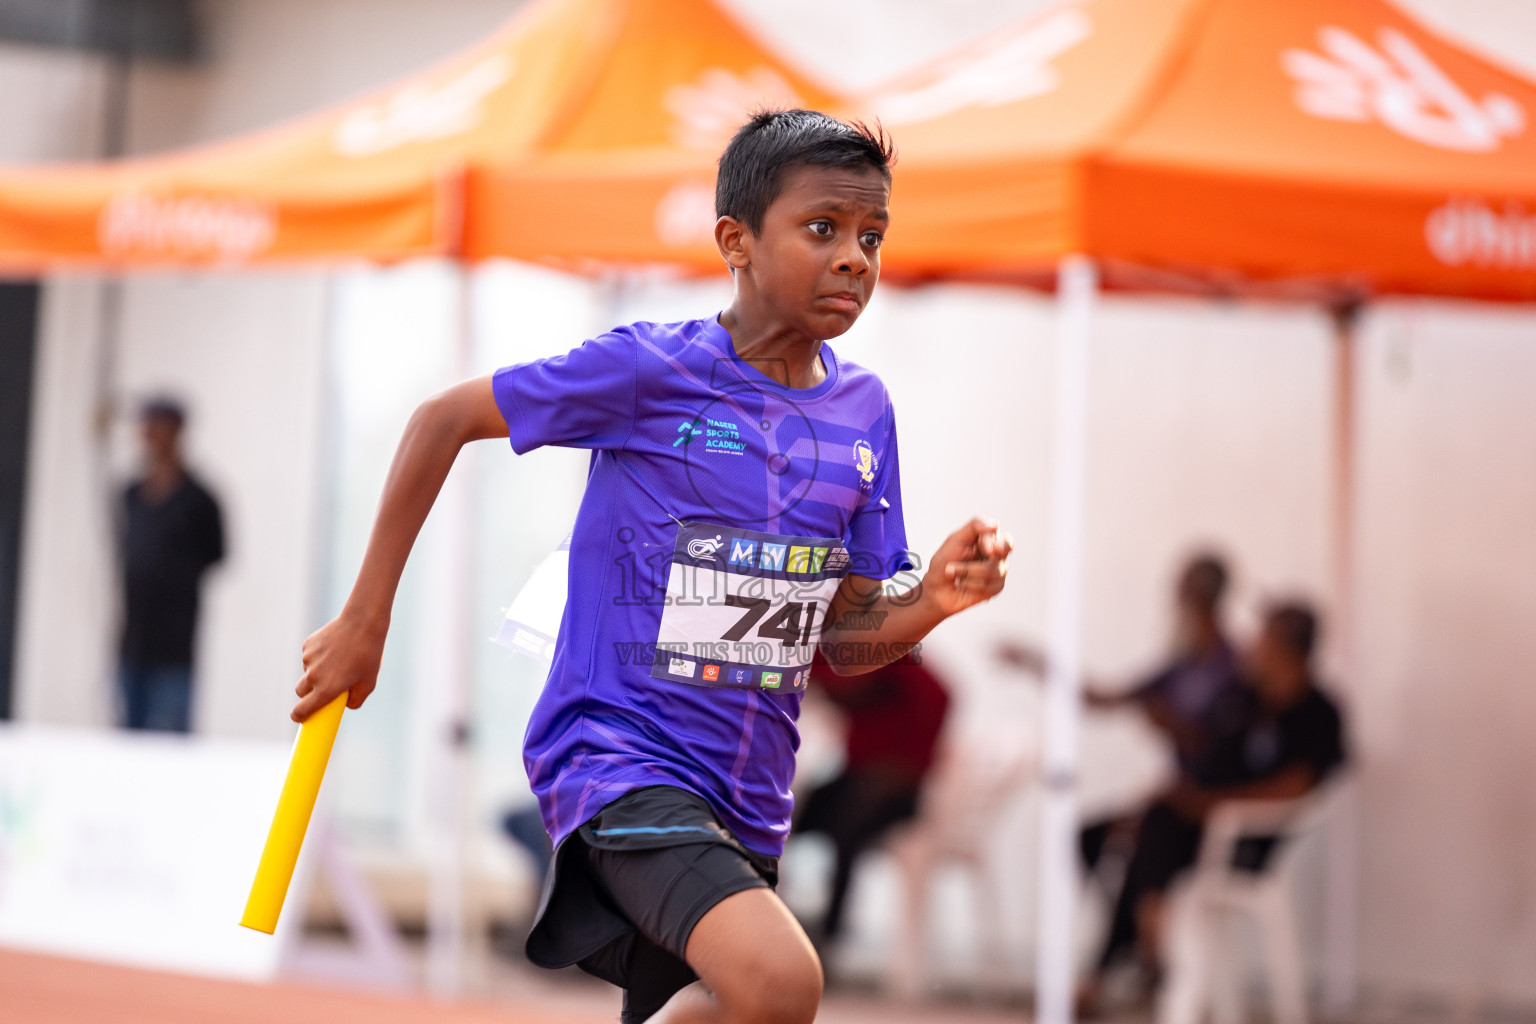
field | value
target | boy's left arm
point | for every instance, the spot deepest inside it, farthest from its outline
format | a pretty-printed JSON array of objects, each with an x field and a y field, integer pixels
[{"x": 867, "y": 626}]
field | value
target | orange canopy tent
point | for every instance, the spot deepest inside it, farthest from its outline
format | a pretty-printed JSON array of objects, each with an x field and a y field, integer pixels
[
  {"x": 647, "y": 82},
  {"x": 1334, "y": 145},
  {"x": 1308, "y": 148},
  {"x": 1312, "y": 148}
]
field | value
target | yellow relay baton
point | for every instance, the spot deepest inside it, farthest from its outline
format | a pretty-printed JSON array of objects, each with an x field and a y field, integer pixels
[{"x": 311, "y": 751}]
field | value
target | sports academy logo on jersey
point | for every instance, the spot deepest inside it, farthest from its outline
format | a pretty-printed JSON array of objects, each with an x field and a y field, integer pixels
[{"x": 865, "y": 462}]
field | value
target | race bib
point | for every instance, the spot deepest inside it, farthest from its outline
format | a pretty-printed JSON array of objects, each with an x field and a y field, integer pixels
[{"x": 743, "y": 609}]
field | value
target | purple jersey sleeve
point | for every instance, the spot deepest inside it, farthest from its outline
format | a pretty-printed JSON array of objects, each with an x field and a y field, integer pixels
[
  {"x": 582, "y": 399},
  {"x": 877, "y": 545}
]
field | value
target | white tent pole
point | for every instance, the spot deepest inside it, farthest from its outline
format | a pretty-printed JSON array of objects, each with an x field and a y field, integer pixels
[
  {"x": 1077, "y": 284},
  {"x": 449, "y": 768},
  {"x": 1341, "y": 881}
]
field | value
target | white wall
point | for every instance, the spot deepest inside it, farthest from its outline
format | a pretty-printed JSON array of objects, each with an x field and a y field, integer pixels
[
  {"x": 63, "y": 654},
  {"x": 1444, "y": 701}
]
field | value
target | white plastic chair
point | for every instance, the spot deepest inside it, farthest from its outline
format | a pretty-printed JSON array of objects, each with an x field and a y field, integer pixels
[
  {"x": 1203, "y": 969},
  {"x": 956, "y": 820}
]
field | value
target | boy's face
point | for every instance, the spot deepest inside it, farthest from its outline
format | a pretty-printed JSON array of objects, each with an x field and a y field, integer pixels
[{"x": 817, "y": 258}]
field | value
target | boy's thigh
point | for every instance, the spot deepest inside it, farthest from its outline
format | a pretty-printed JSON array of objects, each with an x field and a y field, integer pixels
[
  {"x": 754, "y": 956},
  {"x": 665, "y": 892}
]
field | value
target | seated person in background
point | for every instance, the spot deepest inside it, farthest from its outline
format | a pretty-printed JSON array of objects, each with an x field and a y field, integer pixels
[
  {"x": 894, "y": 715},
  {"x": 1181, "y": 697},
  {"x": 1277, "y": 738}
]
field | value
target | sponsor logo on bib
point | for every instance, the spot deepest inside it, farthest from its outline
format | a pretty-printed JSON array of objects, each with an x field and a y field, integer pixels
[
  {"x": 711, "y": 674},
  {"x": 743, "y": 552},
  {"x": 771, "y": 680},
  {"x": 705, "y": 547},
  {"x": 773, "y": 556},
  {"x": 680, "y": 667}
]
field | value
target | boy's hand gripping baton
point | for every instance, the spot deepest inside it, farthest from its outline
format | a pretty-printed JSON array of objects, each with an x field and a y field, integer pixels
[{"x": 311, "y": 751}]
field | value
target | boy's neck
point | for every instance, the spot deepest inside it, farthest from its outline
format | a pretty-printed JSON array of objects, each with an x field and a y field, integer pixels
[{"x": 775, "y": 350}]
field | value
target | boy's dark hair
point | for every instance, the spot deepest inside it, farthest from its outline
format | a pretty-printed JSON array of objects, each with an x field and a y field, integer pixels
[
  {"x": 1294, "y": 624},
  {"x": 773, "y": 141}
]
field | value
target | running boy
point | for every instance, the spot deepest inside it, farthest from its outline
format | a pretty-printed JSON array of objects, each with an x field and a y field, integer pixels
[{"x": 743, "y": 503}]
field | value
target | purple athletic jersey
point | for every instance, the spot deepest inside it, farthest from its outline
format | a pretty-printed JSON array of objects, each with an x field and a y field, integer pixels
[{"x": 720, "y": 512}]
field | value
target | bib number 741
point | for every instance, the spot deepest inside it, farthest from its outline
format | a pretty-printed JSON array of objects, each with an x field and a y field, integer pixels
[{"x": 791, "y": 624}]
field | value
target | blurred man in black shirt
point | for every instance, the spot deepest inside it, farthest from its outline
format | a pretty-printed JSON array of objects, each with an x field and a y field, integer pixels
[{"x": 171, "y": 533}]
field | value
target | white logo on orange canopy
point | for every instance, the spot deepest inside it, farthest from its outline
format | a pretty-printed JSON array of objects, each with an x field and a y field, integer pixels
[
  {"x": 686, "y": 215},
  {"x": 218, "y": 228},
  {"x": 1013, "y": 67},
  {"x": 1468, "y": 231},
  {"x": 1399, "y": 86},
  {"x": 708, "y": 110},
  {"x": 418, "y": 111}
]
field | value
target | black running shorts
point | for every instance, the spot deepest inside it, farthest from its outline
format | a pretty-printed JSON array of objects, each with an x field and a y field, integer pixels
[{"x": 626, "y": 889}]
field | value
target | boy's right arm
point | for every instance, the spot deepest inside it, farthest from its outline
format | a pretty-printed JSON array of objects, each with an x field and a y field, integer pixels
[{"x": 343, "y": 656}]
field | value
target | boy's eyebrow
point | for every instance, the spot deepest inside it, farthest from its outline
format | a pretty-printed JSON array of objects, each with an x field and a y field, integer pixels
[{"x": 844, "y": 206}]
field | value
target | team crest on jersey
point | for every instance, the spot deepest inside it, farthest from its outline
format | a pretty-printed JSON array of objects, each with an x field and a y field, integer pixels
[{"x": 864, "y": 461}]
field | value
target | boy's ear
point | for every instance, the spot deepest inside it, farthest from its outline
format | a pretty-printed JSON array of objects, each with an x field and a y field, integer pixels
[{"x": 734, "y": 242}]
